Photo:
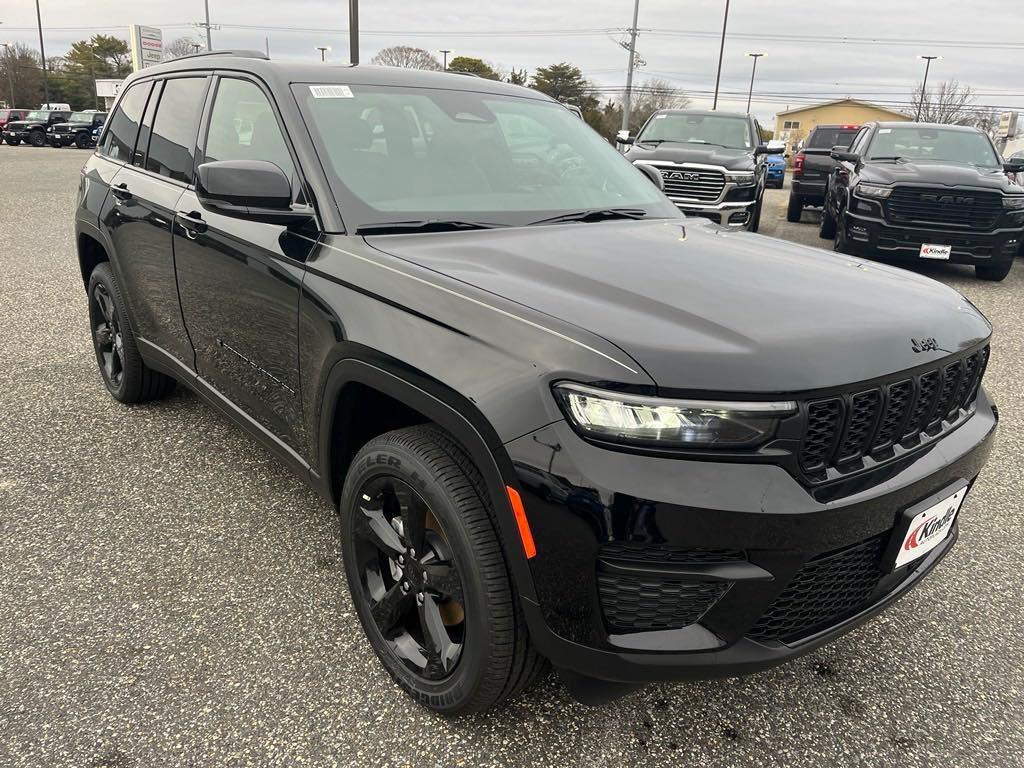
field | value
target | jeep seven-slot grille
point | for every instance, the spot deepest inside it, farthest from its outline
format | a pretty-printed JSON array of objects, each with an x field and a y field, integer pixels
[
  {"x": 943, "y": 207},
  {"x": 691, "y": 183},
  {"x": 840, "y": 431}
]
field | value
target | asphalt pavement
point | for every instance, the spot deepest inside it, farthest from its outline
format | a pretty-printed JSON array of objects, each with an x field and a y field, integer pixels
[{"x": 171, "y": 596}]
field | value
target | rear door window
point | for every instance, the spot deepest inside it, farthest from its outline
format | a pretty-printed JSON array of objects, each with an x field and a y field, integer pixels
[
  {"x": 119, "y": 141},
  {"x": 172, "y": 143}
]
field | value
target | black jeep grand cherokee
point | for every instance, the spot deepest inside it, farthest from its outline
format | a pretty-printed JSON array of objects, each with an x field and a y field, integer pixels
[
  {"x": 919, "y": 191},
  {"x": 560, "y": 420}
]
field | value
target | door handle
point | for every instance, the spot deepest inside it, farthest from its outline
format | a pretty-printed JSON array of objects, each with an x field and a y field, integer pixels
[
  {"x": 121, "y": 193},
  {"x": 192, "y": 222}
]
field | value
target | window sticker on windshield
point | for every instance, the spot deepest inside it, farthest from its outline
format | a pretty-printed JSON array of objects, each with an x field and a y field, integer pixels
[
  {"x": 331, "y": 91},
  {"x": 885, "y": 130},
  {"x": 660, "y": 117}
]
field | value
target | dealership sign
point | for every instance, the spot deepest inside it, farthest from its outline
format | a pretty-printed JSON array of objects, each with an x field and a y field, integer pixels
[
  {"x": 108, "y": 89},
  {"x": 147, "y": 46}
]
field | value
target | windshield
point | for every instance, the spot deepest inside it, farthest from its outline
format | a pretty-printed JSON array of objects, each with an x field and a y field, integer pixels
[
  {"x": 927, "y": 143},
  {"x": 826, "y": 138},
  {"x": 397, "y": 154},
  {"x": 39, "y": 114},
  {"x": 725, "y": 131},
  {"x": 81, "y": 117}
]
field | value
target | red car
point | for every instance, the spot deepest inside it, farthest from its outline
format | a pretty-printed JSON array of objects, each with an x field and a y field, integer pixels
[{"x": 7, "y": 115}]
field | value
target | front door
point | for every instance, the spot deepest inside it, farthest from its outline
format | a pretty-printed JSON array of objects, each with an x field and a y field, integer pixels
[{"x": 239, "y": 280}]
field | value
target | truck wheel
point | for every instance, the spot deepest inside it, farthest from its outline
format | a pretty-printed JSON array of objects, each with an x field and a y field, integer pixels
[
  {"x": 994, "y": 272},
  {"x": 124, "y": 373},
  {"x": 82, "y": 140},
  {"x": 828, "y": 224},
  {"x": 755, "y": 217},
  {"x": 795, "y": 207},
  {"x": 427, "y": 575},
  {"x": 842, "y": 243},
  {"x": 37, "y": 138},
  {"x": 13, "y": 142},
  {"x": 54, "y": 143}
]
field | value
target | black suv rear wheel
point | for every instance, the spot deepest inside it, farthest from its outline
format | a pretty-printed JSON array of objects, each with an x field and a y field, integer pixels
[
  {"x": 994, "y": 272},
  {"x": 427, "y": 575}
]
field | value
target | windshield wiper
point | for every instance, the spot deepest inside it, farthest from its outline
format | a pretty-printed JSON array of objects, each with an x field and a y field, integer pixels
[
  {"x": 894, "y": 158},
  {"x": 423, "y": 225},
  {"x": 594, "y": 214}
]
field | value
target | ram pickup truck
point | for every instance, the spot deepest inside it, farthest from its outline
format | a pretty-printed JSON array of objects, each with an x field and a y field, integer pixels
[
  {"x": 813, "y": 164},
  {"x": 921, "y": 191},
  {"x": 711, "y": 164}
]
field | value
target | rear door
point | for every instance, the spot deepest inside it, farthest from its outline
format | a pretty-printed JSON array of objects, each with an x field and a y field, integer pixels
[
  {"x": 140, "y": 211},
  {"x": 240, "y": 280}
]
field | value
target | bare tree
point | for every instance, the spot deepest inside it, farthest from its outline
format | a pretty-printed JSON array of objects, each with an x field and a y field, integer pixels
[
  {"x": 654, "y": 94},
  {"x": 949, "y": 103},
  {"x": 406, "y": 56},
  {"x": 987, "y": 119},
  {"x": 181, "y": 46}
]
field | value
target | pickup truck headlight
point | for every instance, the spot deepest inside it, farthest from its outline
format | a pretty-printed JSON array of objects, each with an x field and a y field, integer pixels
[
  {"x": 740, "y": 178},
  {"x": 663, "y": 423},
  {"x": 874, "y": 191},
  {"x": 1014, "y": 203}
]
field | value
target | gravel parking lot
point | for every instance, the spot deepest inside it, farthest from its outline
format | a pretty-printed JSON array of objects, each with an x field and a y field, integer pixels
[{"x": 173, "y": 597}]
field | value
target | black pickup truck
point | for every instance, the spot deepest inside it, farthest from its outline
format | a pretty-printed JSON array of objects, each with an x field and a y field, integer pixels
[
  {"x": 921, "y": 191},
  {"x": 813, "y": 164},
  {"x": 32, "y": 130},
  {"x": 711, "y": 164}
]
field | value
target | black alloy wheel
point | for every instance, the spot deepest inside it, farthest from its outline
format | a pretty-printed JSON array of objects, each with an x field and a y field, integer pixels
[
  {"x": 107, "y": 336},
  {"x": 37, "y": 138},
  {"x": 409, "y": 577},
  {"x": 82, "y": 140}
]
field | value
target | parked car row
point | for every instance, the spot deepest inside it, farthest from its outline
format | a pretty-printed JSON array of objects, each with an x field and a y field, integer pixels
[
  {"x": 898, "y": 190},
  {"x": 56, "y": 127}
]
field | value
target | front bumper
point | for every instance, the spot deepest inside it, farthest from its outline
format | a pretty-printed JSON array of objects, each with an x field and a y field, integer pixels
[
  {"x": 22, "y": 135},
  {"x": 64, "y": 139},
  {"x": 873, "y": 235},
  {"x": 727, "y": 214},
  {"x": 750, "y": 530}
]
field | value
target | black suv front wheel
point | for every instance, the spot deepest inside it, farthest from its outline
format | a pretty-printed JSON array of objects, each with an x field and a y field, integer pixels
[
  {"x": 427, "y": 575},
  {"x": 37, "y": 139}
]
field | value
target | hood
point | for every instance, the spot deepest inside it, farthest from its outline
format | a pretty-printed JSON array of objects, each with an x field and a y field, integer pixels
[
  {"x": 701, "y": 308},
  {"x": 731, "y": 159},
  {"x": 21, "y": 124},
  {"x": 70, "y": 126},
  {"x": 936, "y": 174}
]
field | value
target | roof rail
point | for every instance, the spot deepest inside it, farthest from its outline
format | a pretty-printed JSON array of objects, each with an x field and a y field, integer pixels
[
  {"x": 463, "y": 72},
  {"x": 240, "y": 53}
]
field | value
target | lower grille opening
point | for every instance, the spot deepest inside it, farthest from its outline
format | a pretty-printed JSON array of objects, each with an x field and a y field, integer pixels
[
  {"x": 827, "y": 590},
  {"x": 641, "y": 552},
  {"x": 645, "y": 603}
]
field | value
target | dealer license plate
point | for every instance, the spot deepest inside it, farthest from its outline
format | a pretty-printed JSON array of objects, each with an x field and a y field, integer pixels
[
  {"x": 929, "y": 528},
  {"x": 929, "y": 251}
]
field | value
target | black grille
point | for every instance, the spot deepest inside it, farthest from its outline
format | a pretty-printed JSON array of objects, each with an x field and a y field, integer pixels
[
  {"x": 640, "y": 552},
  {"x": 942, "y": 207},
  {"x": 692, "y": 183},
  {"x": 841, "y": 431},
  {"x": 827, "y": 590},
  {"x": 641, "y": 603}
]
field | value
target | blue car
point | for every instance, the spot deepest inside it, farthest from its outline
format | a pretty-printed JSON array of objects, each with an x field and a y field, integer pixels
[{"x": 776, "y": 171}]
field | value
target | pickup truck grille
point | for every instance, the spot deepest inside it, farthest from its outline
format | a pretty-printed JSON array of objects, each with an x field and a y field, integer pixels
[
  {"x": 692, "y": 183},
  {"x": 841, "y": 431},
  {"x": 945, "y": 208}
]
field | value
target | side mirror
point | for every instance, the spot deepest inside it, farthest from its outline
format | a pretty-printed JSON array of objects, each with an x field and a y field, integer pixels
[
  {"x": 623, "y": 137},
  {"x": 843, "y": 155},
  {"x": 1014, "y": 166},
  {"x": 764, "y": 149},
  {"x": 652, "y": 174},
  {"x": 248, "y": 189}
]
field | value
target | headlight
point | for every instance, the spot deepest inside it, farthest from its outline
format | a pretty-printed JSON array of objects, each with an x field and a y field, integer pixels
[
  {"x": 874, "y": 191},
  {"x": 658, "y": 422},
  {"x": 1014, "y": 203},
  {"x": 740, "y": 178}
]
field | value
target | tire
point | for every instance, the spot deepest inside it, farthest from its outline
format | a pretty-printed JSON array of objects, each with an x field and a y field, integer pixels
[
  {"x": 827, "y": 231},
  {"x": 795, "y": 207},
  {"x": 37, "y": 139},
  {"x": 994, "y": 272},
  {"x": 82, "y": 141},
  {"x": 125, "y": 375},
  {"x": 494, "y": 659},
  {"x": 755, "y": 217},
  {"x": 55, "y": 144},
  {"x": 842, "y": 243},
  {"x": 13, "y": 142}
]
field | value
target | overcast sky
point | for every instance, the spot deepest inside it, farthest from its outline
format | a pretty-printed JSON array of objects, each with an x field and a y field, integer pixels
[{"x": 980, "y": 41}]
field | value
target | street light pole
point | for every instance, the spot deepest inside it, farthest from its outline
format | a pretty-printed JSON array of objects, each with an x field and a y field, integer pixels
[
  {"x": 10, "y": 62},
  {"x": 628, "y": 96},
  {"x": 444, "y": 53},
  {"x": 750, "y": 93},
  {"x": 42, "y": 54},
  {"x": 209, "y": 39},
  {"x": 721, "y": 52},
  {"x": 353, "y": 31},
  {"x": 323, "y": 51},
  {"x": 924, "y": 85}
]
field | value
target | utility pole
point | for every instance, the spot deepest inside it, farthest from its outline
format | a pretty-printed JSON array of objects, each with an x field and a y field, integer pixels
[
  {"x": 42, "y": 54},
  {"x": 924, "y": 85},
  {"x": 323, "y": 51},
  {"x": 9, "y": 65},
  {"x": 444, "y": 52},
  {"x": 266, "y": 44},
  {"x": 750, "y": 93},
  {"x": 209, "y": 40},
  {"x": 353, "y": 31},
  {"x": 721, "y": 52},
  {"x": 627, "y": 98}
]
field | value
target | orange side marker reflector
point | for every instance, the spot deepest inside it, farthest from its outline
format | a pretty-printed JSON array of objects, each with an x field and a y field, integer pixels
[{"x": 524, "y": 525}]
